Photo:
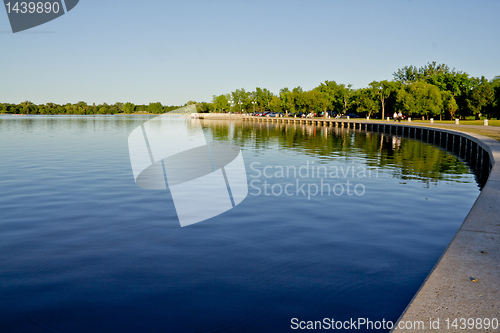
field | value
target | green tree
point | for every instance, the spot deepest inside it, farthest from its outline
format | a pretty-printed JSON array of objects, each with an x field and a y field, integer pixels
[
  {"x": 275, "y": 104},
  {"x": 14, "y": 108},
  {"x": 366, "y": 100},
  {"x": 119, "y": 106},
  {"x": 449, "y": 104},
  {"x": 287, "y": 101},
  {"x": 241, "y": 99},
  {"x": 128, "y": 108},
  {"x": 383, "y": 90},
  {"x": 481, "y": 98},
  {"x": 155, "y": 108},
  {"x": 346, "y": 93},
  {"x": 203, "y": 107},
  {"x": 432, "y": 73},
  {"x": 315, "y": 101},
  {"x": 332, "y": 92},
  {"x": 263, "y": 98},
  {"x": 81, "y": 108},
  {"x": 420, "y": 98},
  {"x": 170, "y": 108},
  {"x": 299, "y": 99},
  {"x": 103, "y": 109},
  {"x": 220, "y": 103},
  {"x": 495, "y": 83},
  {"x": 407, "y": 74},
  {"x": 50, "y": 108},
  {"x": 27, "y": 107},
  {"x": 440, "y": 75},
  {"x": 113, "y": 109}
]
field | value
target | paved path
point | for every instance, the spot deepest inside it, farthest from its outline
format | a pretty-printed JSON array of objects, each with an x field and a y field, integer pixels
[{"x": 458, "y": 127}]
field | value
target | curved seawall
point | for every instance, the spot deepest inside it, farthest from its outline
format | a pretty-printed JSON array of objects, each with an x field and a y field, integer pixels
[{"x": 464, "y": 285}]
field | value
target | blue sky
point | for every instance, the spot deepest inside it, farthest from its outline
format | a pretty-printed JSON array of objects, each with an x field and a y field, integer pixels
[{"x": 176, "y": 51}]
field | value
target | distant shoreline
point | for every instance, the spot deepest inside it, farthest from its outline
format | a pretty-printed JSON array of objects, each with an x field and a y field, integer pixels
[{"x": 73, "y": 114}]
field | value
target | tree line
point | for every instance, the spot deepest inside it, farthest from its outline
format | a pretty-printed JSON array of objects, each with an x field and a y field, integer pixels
[
  {"x": 429, "y": 91},
  {"x": 82, "y": 108},
  {"x": 433, "y": 90}
]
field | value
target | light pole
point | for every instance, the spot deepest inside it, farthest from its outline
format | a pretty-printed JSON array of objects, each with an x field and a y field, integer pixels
[
  {"x": 240, "y": 105},
  {"x": 230, "y": 106},
  {"x": 254, "y": 102}
]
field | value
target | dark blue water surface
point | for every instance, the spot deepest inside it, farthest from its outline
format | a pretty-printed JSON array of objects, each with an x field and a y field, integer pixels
[{"x": 84, "y": 249}]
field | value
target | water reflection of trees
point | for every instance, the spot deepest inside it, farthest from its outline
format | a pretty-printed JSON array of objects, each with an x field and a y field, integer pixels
[{"x": 405, "y": 158}]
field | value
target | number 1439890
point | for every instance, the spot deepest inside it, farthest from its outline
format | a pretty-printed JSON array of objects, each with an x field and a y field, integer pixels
[{"x": 32, "y": 7}]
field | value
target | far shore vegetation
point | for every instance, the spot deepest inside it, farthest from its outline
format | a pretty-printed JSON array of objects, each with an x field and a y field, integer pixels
[{"x": 431, "y": 91}]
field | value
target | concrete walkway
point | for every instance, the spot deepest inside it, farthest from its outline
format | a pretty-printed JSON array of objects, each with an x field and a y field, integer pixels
[{"x": 458, "y": 127}]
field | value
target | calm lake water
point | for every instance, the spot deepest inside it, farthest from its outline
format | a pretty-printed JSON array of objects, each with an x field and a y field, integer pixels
[{"x": 84, "y": 249}]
